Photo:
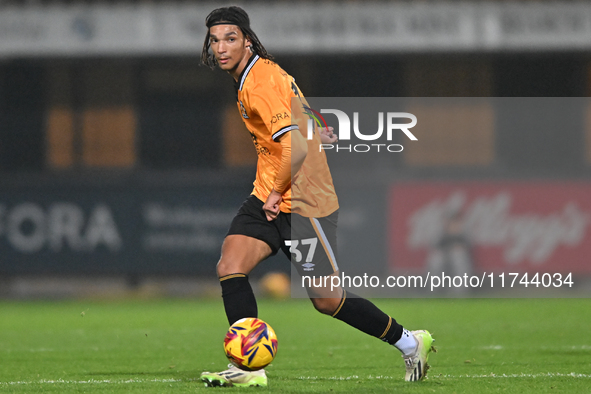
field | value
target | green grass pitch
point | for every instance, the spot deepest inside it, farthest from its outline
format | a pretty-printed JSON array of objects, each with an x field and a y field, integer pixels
[{"x": 161, "y": 346}]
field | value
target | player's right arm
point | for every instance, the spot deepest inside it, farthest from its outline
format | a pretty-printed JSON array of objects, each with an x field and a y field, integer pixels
[
  {"x": 271, "y": 100},
  {"x": 294, "y": 151}
]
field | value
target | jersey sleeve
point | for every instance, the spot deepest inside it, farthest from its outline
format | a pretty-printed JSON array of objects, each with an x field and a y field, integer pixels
[{"x": 272, "y": 102}]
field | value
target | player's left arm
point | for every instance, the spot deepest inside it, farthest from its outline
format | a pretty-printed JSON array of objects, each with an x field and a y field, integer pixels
[{"x": 327, "y": 135}]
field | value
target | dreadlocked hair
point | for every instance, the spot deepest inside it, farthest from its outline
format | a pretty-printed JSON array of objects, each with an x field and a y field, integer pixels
[{"x": 233, "y": 16}]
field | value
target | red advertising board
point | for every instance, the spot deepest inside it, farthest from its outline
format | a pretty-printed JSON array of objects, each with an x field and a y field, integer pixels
[{"x": 506, "y": 226}]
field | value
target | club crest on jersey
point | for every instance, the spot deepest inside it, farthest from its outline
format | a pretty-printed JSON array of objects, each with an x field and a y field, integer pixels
[{"x": 243, "y": 110}]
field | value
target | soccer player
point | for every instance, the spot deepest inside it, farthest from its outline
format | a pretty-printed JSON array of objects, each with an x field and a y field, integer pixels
[{"x": 263, "y": 224}]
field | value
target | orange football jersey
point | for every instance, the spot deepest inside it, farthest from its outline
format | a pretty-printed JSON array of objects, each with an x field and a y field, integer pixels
[{"x": 265, "y": 92}]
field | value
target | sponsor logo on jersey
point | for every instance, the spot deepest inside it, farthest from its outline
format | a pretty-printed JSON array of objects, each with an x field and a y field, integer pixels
[{"x": 280, "y": 116}]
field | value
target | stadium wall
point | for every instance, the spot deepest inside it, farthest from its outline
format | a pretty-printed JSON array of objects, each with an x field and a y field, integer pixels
[{"x": 148, "y": 29}]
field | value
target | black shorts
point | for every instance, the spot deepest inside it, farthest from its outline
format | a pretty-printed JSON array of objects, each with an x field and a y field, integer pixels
[{"x": 310, "y": 243}]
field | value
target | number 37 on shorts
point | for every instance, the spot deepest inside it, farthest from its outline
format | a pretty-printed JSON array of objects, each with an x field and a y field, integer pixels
[
  {"x": 312, "y": 246},
  {"x": 297, "y": 250},
  {"x": 310, "y": 257}
]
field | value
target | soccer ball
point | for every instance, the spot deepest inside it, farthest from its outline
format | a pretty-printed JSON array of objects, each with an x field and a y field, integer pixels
[{"x": 250, "y": 344}]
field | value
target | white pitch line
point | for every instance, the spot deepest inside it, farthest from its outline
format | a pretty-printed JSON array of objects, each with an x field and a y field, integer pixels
[
  {"x": 491, "y": 376},
  {"x": 128, "y": 381},
  {"x": 91, "y": 381},
  {"x": 520, "y": 375}
]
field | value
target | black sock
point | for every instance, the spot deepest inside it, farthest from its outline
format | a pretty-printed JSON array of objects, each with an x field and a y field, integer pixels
[
  {"x": 238, "y": 297},
  {"x": 365, "y": 316}
]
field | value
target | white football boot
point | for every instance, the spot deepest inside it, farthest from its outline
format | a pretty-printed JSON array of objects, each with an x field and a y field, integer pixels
[
  {"x": 416, "y": 363},
  {"x": 234, "y": 377}
]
